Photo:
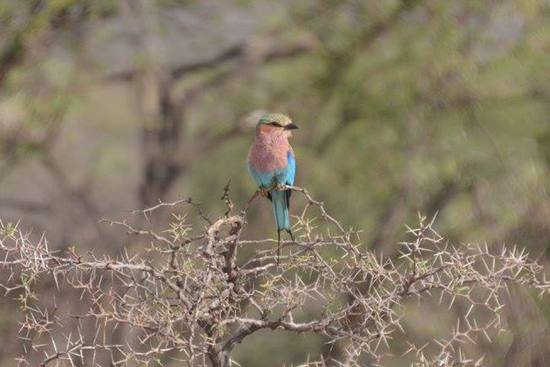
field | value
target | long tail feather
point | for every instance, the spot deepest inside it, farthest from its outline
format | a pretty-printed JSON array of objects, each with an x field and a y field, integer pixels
[
  {"x": 278, "y": 247},
  {"x": 280, "y": 209},
  {"x": 291, "y": 235}
]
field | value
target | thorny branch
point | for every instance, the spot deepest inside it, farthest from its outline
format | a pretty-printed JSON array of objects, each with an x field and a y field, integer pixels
[{"x": 199, "y": 296}]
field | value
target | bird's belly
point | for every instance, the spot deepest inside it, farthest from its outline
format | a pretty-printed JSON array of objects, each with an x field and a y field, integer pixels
[
  {"x": 281, "y": 176},
  {"x": 276, "y": 177}
]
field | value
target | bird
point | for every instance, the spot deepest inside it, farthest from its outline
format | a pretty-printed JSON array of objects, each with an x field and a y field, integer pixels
[{"x": 272, "y": 165}]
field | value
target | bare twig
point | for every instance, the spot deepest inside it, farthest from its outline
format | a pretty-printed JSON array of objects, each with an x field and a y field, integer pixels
[{"x": 197, "y": 299}]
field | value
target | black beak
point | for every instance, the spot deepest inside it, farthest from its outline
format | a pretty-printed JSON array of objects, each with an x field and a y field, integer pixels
[{"x": 291, "y": 127}]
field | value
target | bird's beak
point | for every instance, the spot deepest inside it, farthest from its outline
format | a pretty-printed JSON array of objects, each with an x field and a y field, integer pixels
[{"x": 291, "y": 127}]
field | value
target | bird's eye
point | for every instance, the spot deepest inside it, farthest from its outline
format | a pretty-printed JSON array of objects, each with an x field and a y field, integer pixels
[{"x": 275, "y": 124}]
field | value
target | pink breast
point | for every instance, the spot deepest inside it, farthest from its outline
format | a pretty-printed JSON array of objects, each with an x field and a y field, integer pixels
[{"x": 268, "y": 157}]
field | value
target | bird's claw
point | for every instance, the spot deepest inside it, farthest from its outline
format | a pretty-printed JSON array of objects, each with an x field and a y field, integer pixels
[{"x": 265, "y": 191}]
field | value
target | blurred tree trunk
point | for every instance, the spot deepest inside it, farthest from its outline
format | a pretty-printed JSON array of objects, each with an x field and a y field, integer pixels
[
  {"x": 160, "y": 137},
  {"x": 161, "y": 116}
]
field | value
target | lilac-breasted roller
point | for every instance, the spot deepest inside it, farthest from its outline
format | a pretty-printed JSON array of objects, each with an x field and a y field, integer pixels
[{"x": 271, "y": 163}]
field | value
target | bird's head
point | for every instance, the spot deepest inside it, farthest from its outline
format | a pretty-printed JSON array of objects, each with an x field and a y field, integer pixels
[{"x": 275, "y": 124}]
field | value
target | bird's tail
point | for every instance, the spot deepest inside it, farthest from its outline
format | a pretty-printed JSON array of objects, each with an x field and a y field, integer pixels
[{"x": 280, "y": 208}]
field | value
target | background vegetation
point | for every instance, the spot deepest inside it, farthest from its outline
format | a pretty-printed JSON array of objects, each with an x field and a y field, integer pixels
[{"x": 405, "y": 106}]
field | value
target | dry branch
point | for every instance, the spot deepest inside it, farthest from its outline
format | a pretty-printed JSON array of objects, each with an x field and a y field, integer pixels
[{"x": 198, "y": 297}]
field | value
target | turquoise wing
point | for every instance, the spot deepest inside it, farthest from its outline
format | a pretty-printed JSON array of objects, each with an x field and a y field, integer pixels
[{"x": 291, "y": 161}]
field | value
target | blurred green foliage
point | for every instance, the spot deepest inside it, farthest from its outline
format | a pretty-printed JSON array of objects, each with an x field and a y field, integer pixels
[{"x": 446, "y": 109}]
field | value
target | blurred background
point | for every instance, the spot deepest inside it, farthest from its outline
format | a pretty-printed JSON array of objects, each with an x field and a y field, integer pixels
[{"x": 405, "y": 107}]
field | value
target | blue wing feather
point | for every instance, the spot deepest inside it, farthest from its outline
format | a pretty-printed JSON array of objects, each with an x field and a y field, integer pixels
[{"x": 291, "y": 163}]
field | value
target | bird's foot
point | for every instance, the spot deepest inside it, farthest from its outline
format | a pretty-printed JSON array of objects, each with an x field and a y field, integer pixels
[
  {"x": 279, "y": 187},
  {"x": 263, "y": 191}
]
